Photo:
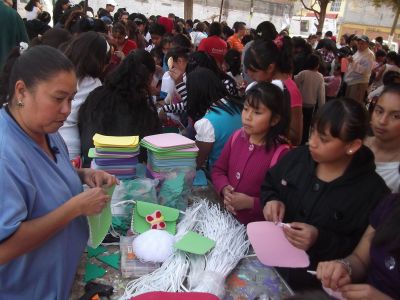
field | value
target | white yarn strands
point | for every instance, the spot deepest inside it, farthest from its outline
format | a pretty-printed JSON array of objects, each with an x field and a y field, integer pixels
[
  {"x": 171, "y": 275},
  {"x": 205, "y": 273},
  {"x": 231, "y": 246}
]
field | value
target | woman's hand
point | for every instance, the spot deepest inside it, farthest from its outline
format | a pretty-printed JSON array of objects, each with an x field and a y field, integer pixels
[
  {"x": 274, "y": 211},
  {"x": 362, "y": 291},
  {"x": 97, "y": 178},
  {"x": 91, "y": 202},
  {"x": 176, "y": 75},
  {"x": 333, "y": 274},
  {"x": 119, "y": 54}
]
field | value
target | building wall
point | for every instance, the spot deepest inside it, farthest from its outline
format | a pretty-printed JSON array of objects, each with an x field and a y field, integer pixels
[
  {"x": 362, "y": 17},
  {"x": 277, "y": 12}
]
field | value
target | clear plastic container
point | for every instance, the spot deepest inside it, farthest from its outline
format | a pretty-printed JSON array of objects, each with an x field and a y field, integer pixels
[{"x": 131, "y": 266}]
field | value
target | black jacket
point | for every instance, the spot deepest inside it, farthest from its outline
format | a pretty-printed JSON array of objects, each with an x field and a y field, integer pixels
[{"x": 339, "y": 209}]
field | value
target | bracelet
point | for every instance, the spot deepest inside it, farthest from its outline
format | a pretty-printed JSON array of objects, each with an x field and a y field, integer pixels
[{"x": 346, "y": 265}]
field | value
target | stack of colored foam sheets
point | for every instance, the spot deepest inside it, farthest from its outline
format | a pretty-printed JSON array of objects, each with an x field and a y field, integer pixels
[
  {"x": 169, "y": 151},
  {"x": 116, "y": 155}
]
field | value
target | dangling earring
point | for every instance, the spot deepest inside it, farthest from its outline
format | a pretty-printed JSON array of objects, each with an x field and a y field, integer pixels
[{"x": 20, "y": 103}]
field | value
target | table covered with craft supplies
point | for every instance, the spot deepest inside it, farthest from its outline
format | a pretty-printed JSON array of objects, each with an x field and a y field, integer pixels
[{"x": 200, "y": 247}]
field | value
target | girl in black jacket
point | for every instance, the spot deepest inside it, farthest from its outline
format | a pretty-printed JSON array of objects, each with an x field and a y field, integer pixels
[{"x": 327, "y": 190}]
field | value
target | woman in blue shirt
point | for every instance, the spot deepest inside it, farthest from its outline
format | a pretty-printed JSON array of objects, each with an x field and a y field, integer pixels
[{"x": 43, "y": 229}]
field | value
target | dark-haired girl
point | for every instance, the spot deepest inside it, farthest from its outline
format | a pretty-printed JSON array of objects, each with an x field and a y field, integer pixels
[
  {"x": 215, "y": 113},
  {"x": 385, "y": 143},
  {"x": 59, "y": 8},
  {"x": 123, "y": 105},
  {"x": 266, "y": 60},
  {"x": 372, "y": 270},
  {"x": 90, "y": 53},
  {"x": 312, "y": 88},
  {"x": 327, "y": 190},
  {"x": 33, "y": 9},
  {"x": 123, "y": 45},
  {"x": 259, "y": 145},
  {"x": 43, "y": 226}
]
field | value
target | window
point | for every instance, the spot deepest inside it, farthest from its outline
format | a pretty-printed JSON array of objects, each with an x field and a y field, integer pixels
[
  {"x": 304, "y": 26},
  {"x": 335, "y": 5}
]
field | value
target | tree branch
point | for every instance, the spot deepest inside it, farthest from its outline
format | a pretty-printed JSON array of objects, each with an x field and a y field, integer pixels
[{"x": 311, "y": 8}]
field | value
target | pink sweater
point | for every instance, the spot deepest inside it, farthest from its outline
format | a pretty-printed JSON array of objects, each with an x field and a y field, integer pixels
[{"x": 243, "y": 166}]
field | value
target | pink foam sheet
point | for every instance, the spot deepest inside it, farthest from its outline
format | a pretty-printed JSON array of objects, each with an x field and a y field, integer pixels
[{"x": 272, "y": 247}]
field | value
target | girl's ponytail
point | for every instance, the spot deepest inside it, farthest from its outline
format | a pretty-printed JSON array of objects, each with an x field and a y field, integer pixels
[
  {"x": 5, "y": 75},
  {"x": 285, "y": 60}
]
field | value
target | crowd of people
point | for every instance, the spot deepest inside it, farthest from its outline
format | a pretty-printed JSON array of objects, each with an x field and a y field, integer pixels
[{"x": 293, "y": 130}]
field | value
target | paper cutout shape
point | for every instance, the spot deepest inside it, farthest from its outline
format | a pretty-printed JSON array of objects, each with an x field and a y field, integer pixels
[
  {"x": 195, "y": 243},
  {"x": 272, "y": 247},
  {"x": 111, "y": 260},
  {"x": 93, "y": 271},
  {"x": 156, "y": 220},
  {"x": 200, "y": 179},
  {"x": 143, "y": 209},
  {"x": 99, "y": 224},
  {"x": 92, "y": 252},
  {"x": 100, "y": 140}
]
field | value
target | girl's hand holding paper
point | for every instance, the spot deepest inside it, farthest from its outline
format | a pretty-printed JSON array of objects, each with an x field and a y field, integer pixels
[
  {"x": 274, "y": 211},
  {"x": 301, "y": 235}
]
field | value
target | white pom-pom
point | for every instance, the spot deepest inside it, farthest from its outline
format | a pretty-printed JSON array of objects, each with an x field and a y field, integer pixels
[{"x": 154, "y": 245}]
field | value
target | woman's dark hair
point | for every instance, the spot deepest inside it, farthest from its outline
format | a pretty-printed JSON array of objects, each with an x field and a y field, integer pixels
[
  {"x": 99, "y": 26},
  {"x": 387, "y": 233},
  {"x": 119, "y": 28},
  {"x": 345, "y": 119},
  {"x": 391, "y": 78},
  {"x": 203, "y": 59},
  {"x": 36, "y": 64},
  {"x": 53, "y": 37},
  {"x": 29, "y": 6},
  {"x": 88, "y": 52},
  {"x": 135, "y": 35},
  {"x": 260, "y": 55},
  {"x": 44, "y": 16},
  {"x": 58, "y": 10},
  {"x": 312, "y": 62},
  {"x": 124, "y": 96},
  {"x": 215, "y": 29},
  {"x": 266, "y": 31},
  {"x": 393, "y": 56},
  {"x": 157, "y": 29},
  {"x": 233, "y": 60},
  {"x": 181, "y": 40},
  {"x": 178, "y": 52},
  {"x": 205, "y": 92},
  {"x": 272, "y": 97}
]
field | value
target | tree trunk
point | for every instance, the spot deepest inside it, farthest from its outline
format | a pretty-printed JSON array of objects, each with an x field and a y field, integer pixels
[
  {"x": 188, "y": 9},
  {"x": 322, "y": 14},
  {"x": 220, "y": 11},
  {"x": 396, "y": 18}
]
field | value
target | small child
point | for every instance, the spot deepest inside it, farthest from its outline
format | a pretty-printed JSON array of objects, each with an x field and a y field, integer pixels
[
  {"x": 311, "y": 86},
  {"x": 252, "y": 150},
  {"x": 325, "y": 191},
  {"x": 333, "y": 83}
]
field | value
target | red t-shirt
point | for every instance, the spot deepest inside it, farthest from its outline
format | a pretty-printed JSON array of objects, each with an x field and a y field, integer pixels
[
  {"x": 214, "y": 46},
  {"x": 128, "y": 48}
]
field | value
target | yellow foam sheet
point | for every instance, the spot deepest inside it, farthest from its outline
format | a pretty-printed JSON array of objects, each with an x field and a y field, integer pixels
[{"x": 100, "y": 140}]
